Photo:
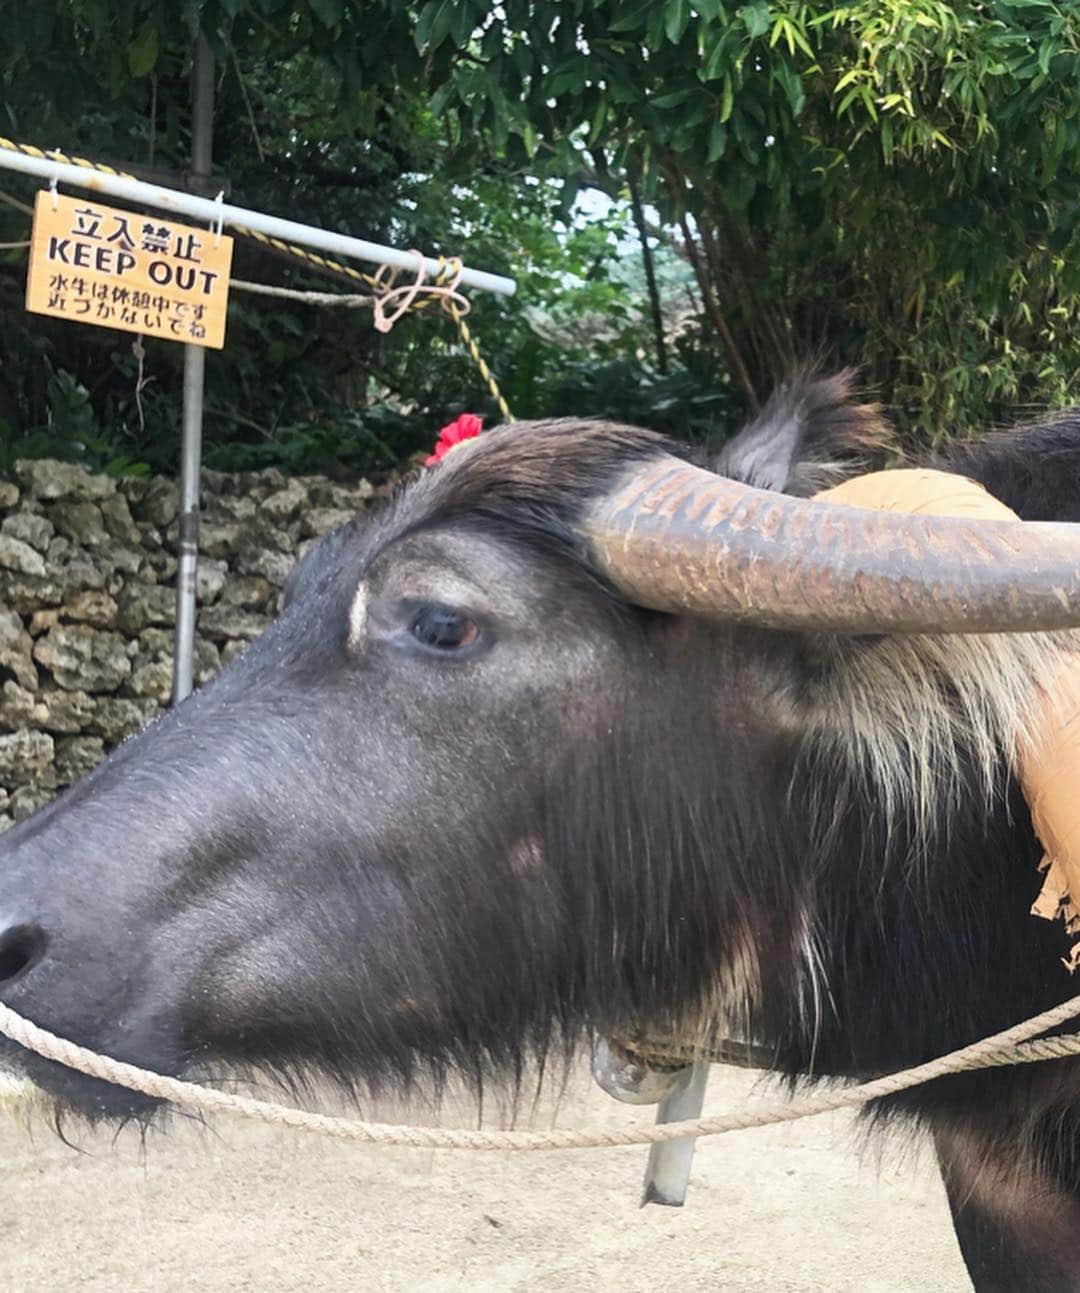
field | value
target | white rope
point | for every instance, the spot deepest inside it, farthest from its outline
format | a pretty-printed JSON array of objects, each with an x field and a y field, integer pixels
[
  {"x": 1012, "y": 1046},
  {"x": 350, "y": 300}
]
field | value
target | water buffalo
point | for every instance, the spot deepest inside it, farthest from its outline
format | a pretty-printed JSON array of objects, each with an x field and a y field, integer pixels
[{"x": 503, "y": 776}]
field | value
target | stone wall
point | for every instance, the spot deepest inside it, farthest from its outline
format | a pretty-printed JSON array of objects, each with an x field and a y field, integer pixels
[{"x": 87, "y": 572}]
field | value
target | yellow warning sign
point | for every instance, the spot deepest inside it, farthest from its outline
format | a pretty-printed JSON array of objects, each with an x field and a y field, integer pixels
[{"x": 117, "y": 269}]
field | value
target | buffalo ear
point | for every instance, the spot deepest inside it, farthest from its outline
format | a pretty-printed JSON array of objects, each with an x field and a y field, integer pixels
[{"x": 811, "y": 434}]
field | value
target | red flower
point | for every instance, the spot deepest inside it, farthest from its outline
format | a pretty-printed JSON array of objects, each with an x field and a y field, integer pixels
[{"x": 453, "y": 434}]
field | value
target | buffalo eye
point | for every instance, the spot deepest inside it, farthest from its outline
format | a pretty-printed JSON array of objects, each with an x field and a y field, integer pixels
[{"x": 441, "y": 628}]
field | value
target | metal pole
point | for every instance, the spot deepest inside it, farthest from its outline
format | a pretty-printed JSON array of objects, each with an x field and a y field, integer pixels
[
  {"x": 667, "y": 1173},
  {"x": 202, "y": 128},
  {"x": 190, "y": 204}
]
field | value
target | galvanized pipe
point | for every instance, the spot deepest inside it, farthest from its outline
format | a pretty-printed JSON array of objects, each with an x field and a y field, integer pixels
[
  {"x": 187, "y": 560},
  {"x": 190, "y": 204},
  {"x": 667, "y": 1172}
]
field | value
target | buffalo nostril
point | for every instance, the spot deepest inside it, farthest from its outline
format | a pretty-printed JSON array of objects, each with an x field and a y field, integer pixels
[{"x": 20, "y": 947}]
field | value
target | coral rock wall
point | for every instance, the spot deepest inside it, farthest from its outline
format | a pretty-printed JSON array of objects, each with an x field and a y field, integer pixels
[{"x": 87, "y": 572}]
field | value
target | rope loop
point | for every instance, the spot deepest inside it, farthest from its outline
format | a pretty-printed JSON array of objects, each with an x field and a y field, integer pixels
[{"x": 393, "y": 302}]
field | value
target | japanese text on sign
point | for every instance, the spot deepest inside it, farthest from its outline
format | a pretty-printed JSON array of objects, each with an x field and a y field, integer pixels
[{"x": 117, "y": 269}]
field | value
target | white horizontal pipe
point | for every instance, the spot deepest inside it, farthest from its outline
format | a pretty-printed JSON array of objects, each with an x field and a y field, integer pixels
[{"x": 189, "y": 204}]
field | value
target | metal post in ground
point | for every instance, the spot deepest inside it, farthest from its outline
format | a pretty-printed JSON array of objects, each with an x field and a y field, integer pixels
[
  {"x": 194, "y": 374},
  {"x": 667, "y": 1173}
]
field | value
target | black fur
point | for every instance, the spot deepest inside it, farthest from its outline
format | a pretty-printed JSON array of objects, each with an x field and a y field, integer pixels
[{"x": 809, "y": 434}]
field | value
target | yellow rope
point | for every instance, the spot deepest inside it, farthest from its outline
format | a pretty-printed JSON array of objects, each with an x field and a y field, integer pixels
[
  {"x": 54, "y": 155},
  {"x": 469, "y": 342},
  {"x": 321, "y": 264}
]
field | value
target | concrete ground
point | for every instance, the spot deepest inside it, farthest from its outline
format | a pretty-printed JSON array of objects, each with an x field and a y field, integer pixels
[{"x": 806, "y": 1207}]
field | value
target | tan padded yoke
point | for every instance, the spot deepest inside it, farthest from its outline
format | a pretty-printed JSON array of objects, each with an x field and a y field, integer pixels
[{"x": 1049, "y": 760}]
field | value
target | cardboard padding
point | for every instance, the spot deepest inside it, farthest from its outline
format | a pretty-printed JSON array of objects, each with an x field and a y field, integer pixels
[{"x": 1048, "y": 762}]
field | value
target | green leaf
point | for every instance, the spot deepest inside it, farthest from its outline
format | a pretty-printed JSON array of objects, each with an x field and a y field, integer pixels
[
  {"x": 492, "y": 44},
  {"x": 328, "y": 12},
  {"x": 435, "y": 22},
  {"x": 464, "y": 25},
  {"x": 522, "y": 57},
  {"x": 143, "y": 50},
  {"x": 632, "y": 15},
  {"x": 792, "y": 85},
  {"x": 848, "y": 100},
  {"x": 854, "y": 74},
  {"x": 654, "y": 28},
  {"x": 500, "y": 125},
  {"x": 674, "y": 99},
  {"x": 569, "y": 77},
  {"x": 598, "y": 119},
  {"x": 727, "y": 101},
  {"x": 755, "y": 18},
  {"x": 676, "y": 18},
  {"x": 717, "y": 142},
  {"x": 715, "y": 61},
  {"x": 887, "y": 138},
  {"x": 798, "y": 37},
  {"x": 782, "y": 27},
  {"x": 442, "y": 97}
]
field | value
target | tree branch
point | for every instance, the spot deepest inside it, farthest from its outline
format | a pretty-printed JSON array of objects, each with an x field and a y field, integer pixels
[
  {"x": 650, "y": 277},
  {"x": 717, "y": 319}
]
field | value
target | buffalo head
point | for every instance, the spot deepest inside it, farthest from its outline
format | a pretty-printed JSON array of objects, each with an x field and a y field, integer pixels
[{"x": 539, "y": 749}]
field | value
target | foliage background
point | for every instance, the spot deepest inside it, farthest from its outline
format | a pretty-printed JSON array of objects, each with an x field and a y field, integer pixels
[{"x": 889, "y": 183}]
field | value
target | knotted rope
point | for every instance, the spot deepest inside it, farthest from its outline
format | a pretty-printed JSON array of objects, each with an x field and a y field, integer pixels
[
  {"x": 393, "y": 302},
  {"x": 1012, "y": 1046},
  {"x": 417, "y": 296}
]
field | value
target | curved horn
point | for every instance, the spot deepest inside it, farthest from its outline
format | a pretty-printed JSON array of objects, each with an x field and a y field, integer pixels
[{"x": 674, "y": 537}]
